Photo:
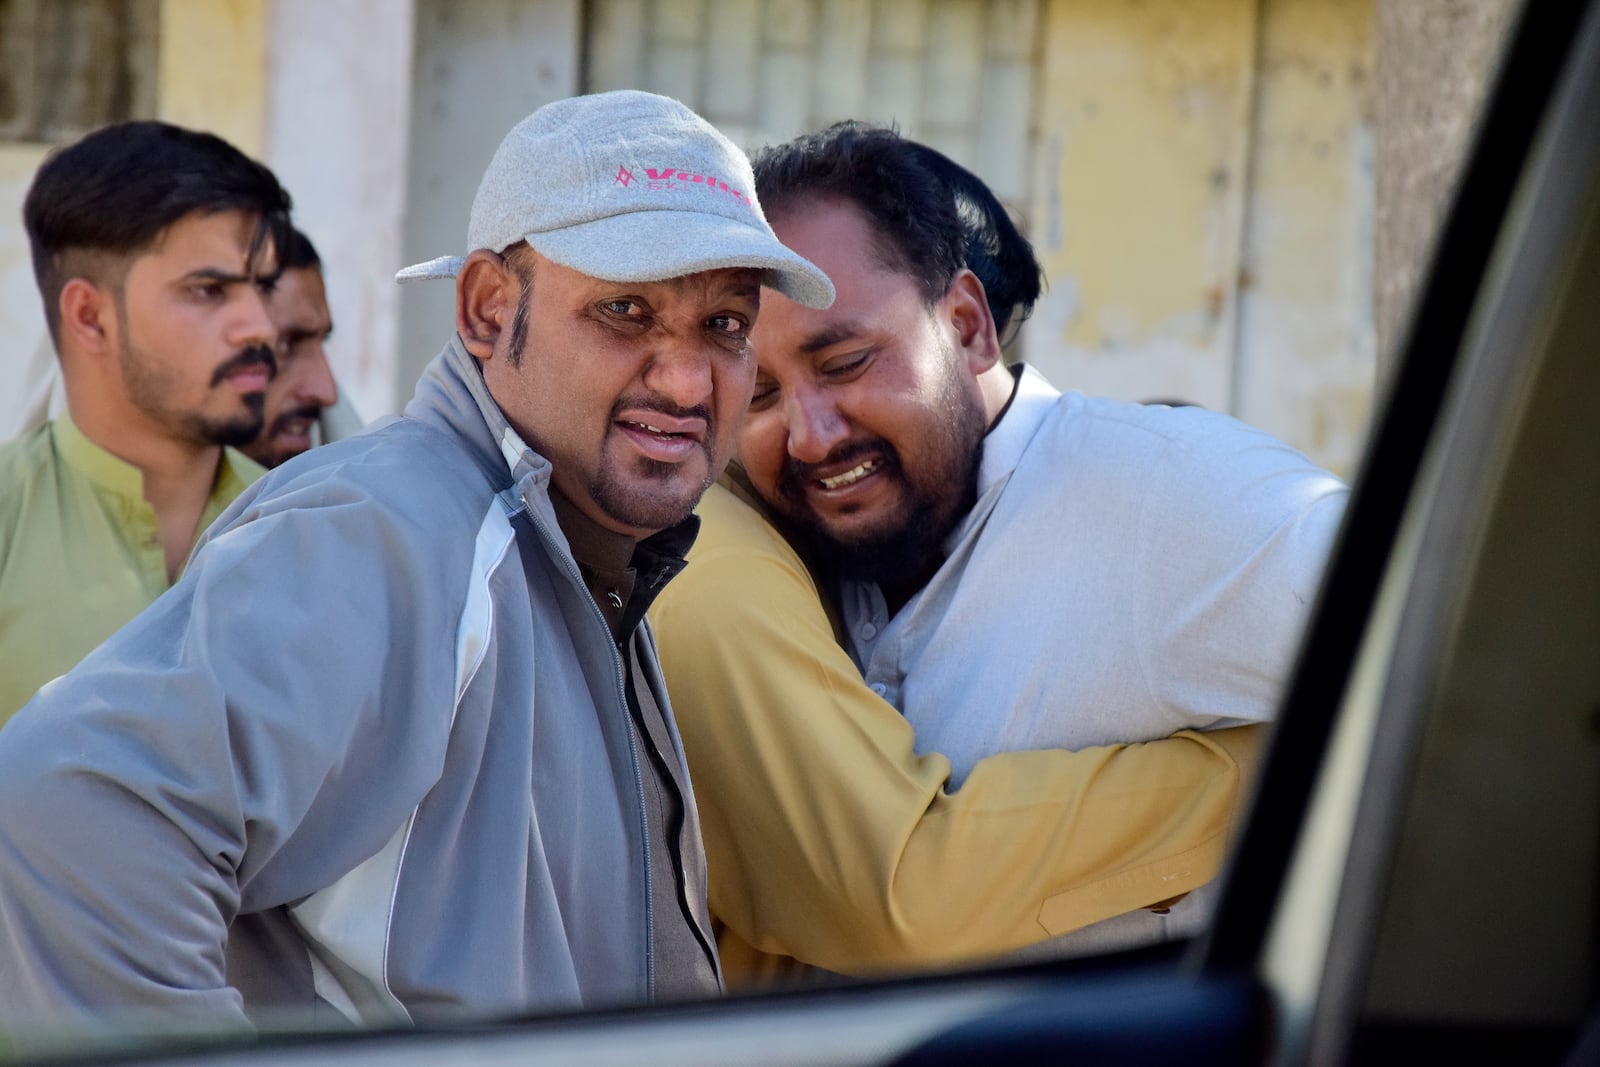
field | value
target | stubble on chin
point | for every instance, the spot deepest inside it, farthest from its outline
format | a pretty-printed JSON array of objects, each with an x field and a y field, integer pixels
[
  {"x": 652, "y": 494},
  {"x": 233, "y": 431}
]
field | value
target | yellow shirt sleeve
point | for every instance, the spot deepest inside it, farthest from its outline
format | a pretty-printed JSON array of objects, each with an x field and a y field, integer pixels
[{"x": 832, "y": 843}]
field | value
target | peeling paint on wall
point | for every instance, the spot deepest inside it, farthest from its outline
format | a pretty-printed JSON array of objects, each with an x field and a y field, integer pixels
[
  {"x": 1305, "y": 365},
  {"x": 1199, "y": 188},
  {"x": 1148, "y": 105},
  {"x": 1204, "y": 209},
  {"x": 213, "y": 69}
]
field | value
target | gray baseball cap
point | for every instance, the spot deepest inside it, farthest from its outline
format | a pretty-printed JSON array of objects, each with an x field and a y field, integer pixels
[{"x": 630, "y": 187}]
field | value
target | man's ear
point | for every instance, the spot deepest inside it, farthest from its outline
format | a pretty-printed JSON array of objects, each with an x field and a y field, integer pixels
[
  {"x": 487, "y": 290},
  {"x": 88, "y": 317},
  {"x": 967, "y": 307}
]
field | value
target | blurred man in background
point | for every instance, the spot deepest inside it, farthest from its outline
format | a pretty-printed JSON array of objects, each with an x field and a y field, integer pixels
[
  {"x": 303, "y": 388},
  {"x": 153, "y": 248}
]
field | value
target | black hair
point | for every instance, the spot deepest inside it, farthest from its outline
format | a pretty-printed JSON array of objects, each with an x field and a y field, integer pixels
[
  {"x": 932, "y": 216},
  {"x": 996, "y": 251},
  {"x": 298, "y": 253},
  {"x": 97, "y": 203},
  {"x": 519, "y": 259}
]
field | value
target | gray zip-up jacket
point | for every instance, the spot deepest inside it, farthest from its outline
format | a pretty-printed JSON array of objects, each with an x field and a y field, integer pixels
[{"x": 370, "y": 755}]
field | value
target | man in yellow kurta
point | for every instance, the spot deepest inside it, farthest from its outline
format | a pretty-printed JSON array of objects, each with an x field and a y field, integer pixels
[
  {"x": 833, "y": 844},
  {"x": 834, "y": 840},
  {"x": 154, "y": 250}
]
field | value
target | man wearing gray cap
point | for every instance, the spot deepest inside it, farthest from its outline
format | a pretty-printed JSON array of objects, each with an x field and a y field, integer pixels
[{"x": 455, "y": 783}]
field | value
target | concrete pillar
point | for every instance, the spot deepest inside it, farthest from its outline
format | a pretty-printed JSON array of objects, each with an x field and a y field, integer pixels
[
  {"x": 1435, "y": 58},
  {"x": 338, "y": 112},
  {"x": 481, "y": 66}
]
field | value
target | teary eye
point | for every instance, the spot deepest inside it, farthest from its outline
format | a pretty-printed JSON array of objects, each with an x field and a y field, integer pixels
[{"x": 731, "y": 325}]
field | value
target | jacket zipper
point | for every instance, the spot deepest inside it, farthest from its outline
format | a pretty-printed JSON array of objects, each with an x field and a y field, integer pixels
[{"x": 571, "y": 569}]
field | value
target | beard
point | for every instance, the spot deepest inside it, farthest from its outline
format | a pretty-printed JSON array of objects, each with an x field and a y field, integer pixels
[
  {"x": 907, "y": 544},
  {"x": 150, "y": 388},
  {"x": 651, "y": 494}
]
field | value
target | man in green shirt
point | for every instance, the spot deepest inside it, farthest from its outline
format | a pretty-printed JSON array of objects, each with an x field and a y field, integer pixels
[{"x": 154, "y": 248}]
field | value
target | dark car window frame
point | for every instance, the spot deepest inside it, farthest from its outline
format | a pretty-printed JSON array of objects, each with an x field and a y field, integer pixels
[{"x": 1529, "y": 74}]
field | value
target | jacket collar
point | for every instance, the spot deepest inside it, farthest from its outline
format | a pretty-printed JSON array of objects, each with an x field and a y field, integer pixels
[
  {"x": 453, "y": 396},
  {"x": 235, "y": 470}
]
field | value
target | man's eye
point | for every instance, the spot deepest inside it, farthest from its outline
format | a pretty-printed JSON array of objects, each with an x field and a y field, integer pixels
[
  {"x": 207, "y": 290},
  {"x": 629, "y": 309},
  {"x": 730, "y": 325},
  {"x": 844, "y": 366}
]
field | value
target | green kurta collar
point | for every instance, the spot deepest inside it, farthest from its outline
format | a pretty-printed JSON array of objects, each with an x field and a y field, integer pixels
[
  {"x": 234, "y": 473},
  {"x": 95, "y": 463}
]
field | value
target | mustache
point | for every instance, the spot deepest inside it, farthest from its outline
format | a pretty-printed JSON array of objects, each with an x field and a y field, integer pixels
[
  {"x": 249, "y": 357},
  {"x": 665, "y": 407}
]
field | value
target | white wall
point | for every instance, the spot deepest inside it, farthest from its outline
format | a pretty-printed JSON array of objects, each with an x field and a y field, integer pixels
[
  {"x": 338, "y": 104},
  {"x": 27, "y": 360}
]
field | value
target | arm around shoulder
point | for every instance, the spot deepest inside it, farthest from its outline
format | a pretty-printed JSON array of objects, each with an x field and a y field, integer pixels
[{"x": 832, "y": 841}]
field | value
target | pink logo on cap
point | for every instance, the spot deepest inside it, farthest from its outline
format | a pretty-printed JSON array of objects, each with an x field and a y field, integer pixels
[{"x": 668, "y": 179}]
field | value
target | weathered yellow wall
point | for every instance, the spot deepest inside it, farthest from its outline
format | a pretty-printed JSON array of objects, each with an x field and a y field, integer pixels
[
  {"x": 1144, "y": 121},
  {"x": 1201, "y": 190},
  {"x": 213, "y": 68},
  {"x": 1305, "y": 363},
  {"x": 1203, "y": 209}
]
